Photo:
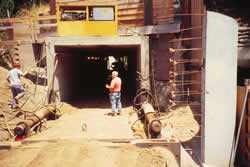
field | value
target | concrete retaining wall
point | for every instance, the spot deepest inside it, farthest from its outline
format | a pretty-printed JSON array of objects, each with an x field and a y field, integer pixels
[{"x": 219, "y": 107}]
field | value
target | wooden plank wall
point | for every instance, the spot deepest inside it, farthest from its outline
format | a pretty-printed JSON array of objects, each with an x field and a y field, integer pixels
[
  {"x": 195, "y": 25},
  {"x": 188, "y": 31},
  {"x": 197, "y": 7},
  {"x": 162, "y": 11},
  {"x": 131, "y": 13},
  {"x": 26, "y": 29},
  {"x": 243, "y": 152}
]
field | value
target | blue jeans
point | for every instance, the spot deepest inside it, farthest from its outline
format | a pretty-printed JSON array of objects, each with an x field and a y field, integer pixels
[
  {"x": 115, "y": 99},
  {"x": 17, "y": 91}
]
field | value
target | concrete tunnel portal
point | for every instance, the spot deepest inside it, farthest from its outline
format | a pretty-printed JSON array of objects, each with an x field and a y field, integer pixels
[
  {"x": 86, "y": 70},
  {"x": 83, "y": 70}
]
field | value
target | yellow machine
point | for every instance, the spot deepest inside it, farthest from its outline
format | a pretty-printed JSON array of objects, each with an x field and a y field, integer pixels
[{"x": 81, "y": 19}]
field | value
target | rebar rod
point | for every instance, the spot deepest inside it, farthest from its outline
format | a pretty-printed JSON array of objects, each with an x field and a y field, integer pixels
[{"x": 184, "y": 39}]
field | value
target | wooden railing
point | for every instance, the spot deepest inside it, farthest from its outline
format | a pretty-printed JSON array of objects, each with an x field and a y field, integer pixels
[{"x": 25, "y": 29}]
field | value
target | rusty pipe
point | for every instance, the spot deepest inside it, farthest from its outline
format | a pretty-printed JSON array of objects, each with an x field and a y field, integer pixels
[
  {"x": 23, "y": 126},
  {"x": 152, "y": 124}
]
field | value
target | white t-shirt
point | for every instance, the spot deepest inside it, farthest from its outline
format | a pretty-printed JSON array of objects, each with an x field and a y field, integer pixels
[{"x": 14, "y": 76}]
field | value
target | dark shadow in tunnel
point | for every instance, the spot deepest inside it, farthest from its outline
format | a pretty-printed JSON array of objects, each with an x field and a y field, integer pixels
[{"x": 83, "y": 73}]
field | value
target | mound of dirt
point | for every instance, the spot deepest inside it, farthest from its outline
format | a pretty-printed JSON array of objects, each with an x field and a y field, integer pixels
[
  {"x": 180, "y": 124},
  {"x": 33, "y": 93}
]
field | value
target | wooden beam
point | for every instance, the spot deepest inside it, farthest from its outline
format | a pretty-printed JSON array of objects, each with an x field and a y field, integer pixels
[
  {"x": 128, "y": 24},
  {"x": 129, "y": 18},
  {"x": 148, "y": 12},
  {"x": 14, "y": 42},
  {"x": 26, "y": 26},
  {"x": 6, "y": 43},
  {"x": 133, "y": 6},
  {"x": 26, "y": 19},
  {"x": 126, "y": 2},
  {"x": 147, "y": 30},
  {"x": 131, "y": 11}
]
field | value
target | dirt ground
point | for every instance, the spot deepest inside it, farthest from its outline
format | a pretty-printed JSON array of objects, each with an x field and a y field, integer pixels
[
  {"x": 104, "y": 141},
  {"x": 85, "y": 136},
  {"x": 65, "y": 143}
]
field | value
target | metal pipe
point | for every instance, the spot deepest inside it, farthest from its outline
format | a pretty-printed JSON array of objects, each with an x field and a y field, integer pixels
[
  {"x": 152, "y": 124},
  {"x": 23, "y": 126}
]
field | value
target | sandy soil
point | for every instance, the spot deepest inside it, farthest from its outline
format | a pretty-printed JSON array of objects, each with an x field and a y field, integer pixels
[
  {"x": 66, "y": 143},
  {"x": 89, "y": 137}
]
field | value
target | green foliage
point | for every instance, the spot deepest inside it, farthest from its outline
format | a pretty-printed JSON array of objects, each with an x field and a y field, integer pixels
[
  {"x": 2, "y": 62},
  {"x": 15, "y": 5},
  {"x": 6, "y": 5}
]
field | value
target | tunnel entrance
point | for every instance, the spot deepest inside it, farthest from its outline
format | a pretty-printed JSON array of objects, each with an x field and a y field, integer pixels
[
  {"x": 84, "y": 71},
  {"x": 84, "y": 66}
]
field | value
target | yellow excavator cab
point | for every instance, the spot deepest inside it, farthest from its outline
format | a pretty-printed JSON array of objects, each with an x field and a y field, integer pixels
[{"x": 83, "y": 19}]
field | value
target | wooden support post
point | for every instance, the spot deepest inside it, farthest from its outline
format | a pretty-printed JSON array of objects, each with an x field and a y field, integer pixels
[
  {"x": 152, "y": 124},
  {"x": 23, "y": 126},
  {"x": 33, "y": 33}
]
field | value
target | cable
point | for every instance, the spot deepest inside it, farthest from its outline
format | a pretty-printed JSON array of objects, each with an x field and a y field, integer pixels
[
  {"x": 6, "y": 122},
  {"x": 141, "y": 92},
  {"x": 153, "y": 81}
]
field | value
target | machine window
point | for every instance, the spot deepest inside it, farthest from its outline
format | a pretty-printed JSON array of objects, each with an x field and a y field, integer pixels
[
  {"x": 101, "y": 13},
  {"x": 72, "y": 14}
]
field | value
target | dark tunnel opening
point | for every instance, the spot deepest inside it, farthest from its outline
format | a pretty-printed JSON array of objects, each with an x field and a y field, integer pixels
[{"x": 83, "y": 72}]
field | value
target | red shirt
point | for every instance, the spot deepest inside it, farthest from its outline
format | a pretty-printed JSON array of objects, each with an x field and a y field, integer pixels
[{"x": 115, "y": 85}]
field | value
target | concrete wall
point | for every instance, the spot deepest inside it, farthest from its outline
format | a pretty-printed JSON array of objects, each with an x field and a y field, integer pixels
[
  {"x": 219, "y": 107},
  {"x": 51, "y": 42}
]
